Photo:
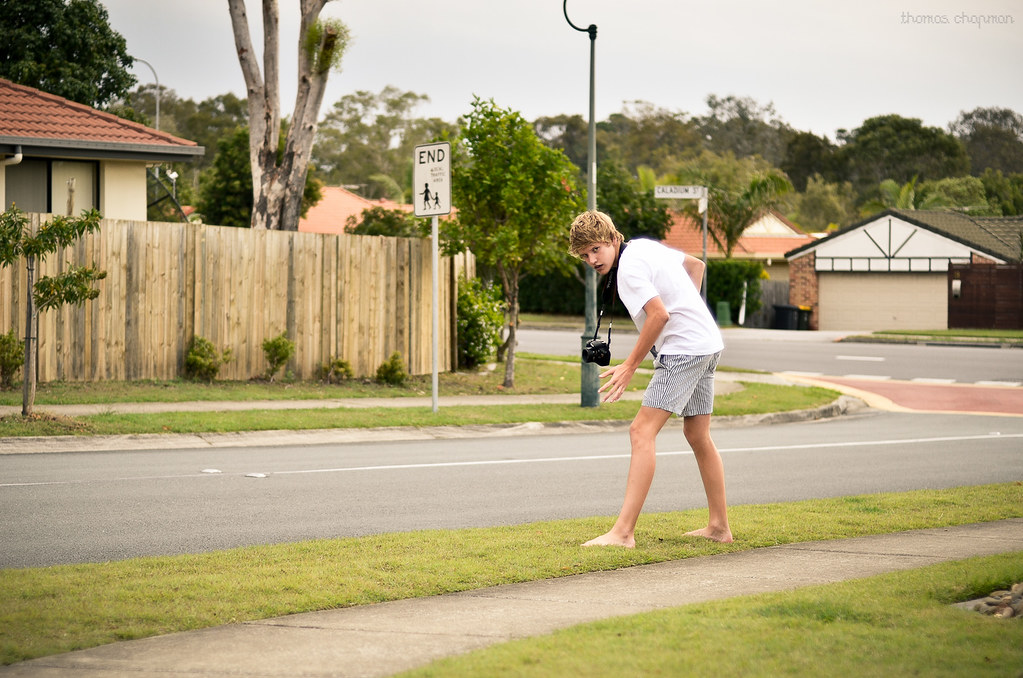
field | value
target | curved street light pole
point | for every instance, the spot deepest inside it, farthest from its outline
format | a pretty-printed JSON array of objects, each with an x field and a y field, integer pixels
[
  {"x": 157, "y": 78},
  {"x": 590, "y": 372},
  {"x": 156, "y": 168}
]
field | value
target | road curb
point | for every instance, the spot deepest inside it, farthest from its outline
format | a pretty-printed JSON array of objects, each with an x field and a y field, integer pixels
[{"x": 170, "y": 441}]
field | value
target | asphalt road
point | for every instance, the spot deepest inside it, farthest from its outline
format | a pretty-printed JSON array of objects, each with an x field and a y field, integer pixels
[
  {"x": 818, "y": 353},
  {"x": 91, "y": 507}
]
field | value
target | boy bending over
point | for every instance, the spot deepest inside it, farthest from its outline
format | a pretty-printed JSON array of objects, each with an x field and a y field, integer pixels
[{"x": 660, "y": 287}]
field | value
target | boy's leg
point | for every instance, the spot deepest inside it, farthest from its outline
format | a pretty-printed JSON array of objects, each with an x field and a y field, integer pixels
[
  {"x": 643, "y": 435},
  {"x": 712, "y": 472}
]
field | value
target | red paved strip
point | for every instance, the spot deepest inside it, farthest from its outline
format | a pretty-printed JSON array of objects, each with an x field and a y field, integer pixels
[{"x": 941, "y": 397}]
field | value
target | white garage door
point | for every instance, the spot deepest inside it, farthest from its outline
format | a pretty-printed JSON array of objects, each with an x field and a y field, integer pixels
[{"x": 882, "y": 301}]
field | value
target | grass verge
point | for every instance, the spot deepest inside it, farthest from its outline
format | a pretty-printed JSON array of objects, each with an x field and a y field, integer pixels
[
  {"x": 755, "y": 398},
  {"x": 898, "y": 624},
  {"x": 57, "y": 609},
  {"x": 534, "y": 374}
]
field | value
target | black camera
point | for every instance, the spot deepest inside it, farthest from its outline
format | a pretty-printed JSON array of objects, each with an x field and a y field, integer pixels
[{"x": 597, "y": 351}]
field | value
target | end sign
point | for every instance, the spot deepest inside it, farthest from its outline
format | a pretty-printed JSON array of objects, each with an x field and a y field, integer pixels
[{"x": 431, "y": 179}]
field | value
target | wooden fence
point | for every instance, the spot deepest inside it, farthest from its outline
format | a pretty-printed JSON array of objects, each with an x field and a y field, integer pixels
[{"x": 358, "y": 298}]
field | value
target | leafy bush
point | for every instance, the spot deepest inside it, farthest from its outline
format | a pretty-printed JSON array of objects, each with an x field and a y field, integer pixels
[
  {"x": 203, "y": 361},
  {"x": 278, "y": 352},
  {"x": 724, "y": 283},
  {"x": 12, "y": 357},
  {"x": 392, "y": 371},
  {"x": 480, "y": 316},
  {"x": 335, "y": 371}
]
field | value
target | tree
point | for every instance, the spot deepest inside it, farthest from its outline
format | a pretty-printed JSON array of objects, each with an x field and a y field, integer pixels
[
  {"x": 278, "y": 180},
  {"x": 225, "y": 189},
  {"x": 807, "y": 155},
  {"x": 65, "y": 47},
  {"x": 646, "y": 135},
  {"x": 367, "y": 140},
  {"x": 904, "y": 197},
  {"x": 897, "y": 148},
  {"x": 824, "y": 205},
  {"x": 566, "y": 133},
  {"x": 381, "y": 221},
  {"x": 1003, "y": 192},
  {"x": 634, "y": 211},
  {"x": 515, "y": 199},
  {"x": 73, "y": 286},
  {"x": 744, "y": 127},
  {"x": 730, "y": 212},
  {"x": 993, "y": 138},
  {"x": 963, "y": 194}
]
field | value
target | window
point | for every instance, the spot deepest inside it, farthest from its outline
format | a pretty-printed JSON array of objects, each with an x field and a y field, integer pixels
[{"x": 56, "y": 186}]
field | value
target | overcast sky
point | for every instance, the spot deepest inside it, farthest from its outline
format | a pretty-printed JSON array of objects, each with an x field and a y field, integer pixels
[{"x": 823, "y": 65}]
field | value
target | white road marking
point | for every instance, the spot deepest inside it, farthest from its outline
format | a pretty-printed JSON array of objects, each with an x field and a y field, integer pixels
[
  {"x": 546, "y": 460},
  {"x": 1008, "y": 384},
  {"x": 862, "y": 358},
  {"x": 867, "y": 377},
  {"x": 932, "y": 380}
]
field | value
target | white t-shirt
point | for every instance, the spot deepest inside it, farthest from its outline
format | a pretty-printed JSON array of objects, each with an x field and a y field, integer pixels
[{"x": 649, "y": 269}]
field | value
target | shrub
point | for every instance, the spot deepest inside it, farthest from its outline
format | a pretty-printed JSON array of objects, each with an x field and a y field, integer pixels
[
  {"x": 335, "y": 371},
  {"x": 278, "y": 352},
  {"x": 725, "y": 278},
  {"x": 392, "y": 371},
  {"x": 203, "y": 361},
  {"x": 12, "y": 358},
  {"x": 480, "y": 317}
]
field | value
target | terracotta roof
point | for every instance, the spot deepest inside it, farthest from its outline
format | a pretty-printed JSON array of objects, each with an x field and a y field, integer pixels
[
  {"x": 37, "y": 119},
  {"x": 336, "y": 204},
  {"x": 997, "y": 236},
  {"x": 686, "y": 234}
]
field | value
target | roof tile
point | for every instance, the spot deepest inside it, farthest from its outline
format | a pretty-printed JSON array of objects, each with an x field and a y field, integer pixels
[{"x": 28, "y": 113}]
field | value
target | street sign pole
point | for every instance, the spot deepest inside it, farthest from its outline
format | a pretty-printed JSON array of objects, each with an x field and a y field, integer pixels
[
  {"x": 690, "y": 193},
  {"x": 431, "y": 184}
]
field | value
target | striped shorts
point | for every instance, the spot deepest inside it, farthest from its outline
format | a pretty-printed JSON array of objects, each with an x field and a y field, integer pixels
[{"x": 683, "y": 384}]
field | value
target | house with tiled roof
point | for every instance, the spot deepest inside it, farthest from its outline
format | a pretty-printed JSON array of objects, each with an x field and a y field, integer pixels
[
  {"x": 891, "y": 271},
  {"x": 336, "y": 205},
  {"x": 766, "y": 240},
  {"x": 58, "y": 156}
]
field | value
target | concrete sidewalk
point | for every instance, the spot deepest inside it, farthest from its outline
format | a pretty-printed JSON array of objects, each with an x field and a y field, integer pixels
[{"x": 383, "y": 639}]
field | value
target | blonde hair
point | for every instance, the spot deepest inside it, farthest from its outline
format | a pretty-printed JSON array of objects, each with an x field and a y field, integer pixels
[{"x": 590, "y": 228}]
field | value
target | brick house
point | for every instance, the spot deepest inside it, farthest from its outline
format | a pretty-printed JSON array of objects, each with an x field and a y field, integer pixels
[{"x": 891, "y": 270}]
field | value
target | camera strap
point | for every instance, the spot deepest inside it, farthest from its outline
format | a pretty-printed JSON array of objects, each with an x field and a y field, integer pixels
[{"x": 610, "y": 292}]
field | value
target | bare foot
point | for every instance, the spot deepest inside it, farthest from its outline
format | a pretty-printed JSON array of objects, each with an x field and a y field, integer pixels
[
  {"x": 612, "y": 540},
  {"x": 723, "y": 536}
]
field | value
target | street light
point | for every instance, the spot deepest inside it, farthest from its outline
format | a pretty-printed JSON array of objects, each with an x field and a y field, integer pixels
[
  {"x": 155, "y": 77},
  {"x": 173, "y": 176},
  {"x": 156, "y": 169},
  {"x": 590, "y": 373}
]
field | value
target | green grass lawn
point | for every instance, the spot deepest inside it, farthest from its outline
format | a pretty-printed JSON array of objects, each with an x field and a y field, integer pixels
[
  {"x": 534, "y": 375},
  {"x": 56, "y": 609},
  {"x": 898, "y": 624}
]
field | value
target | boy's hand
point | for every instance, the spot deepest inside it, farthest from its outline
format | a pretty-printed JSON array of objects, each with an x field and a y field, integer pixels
[{"x": 620, "y": 375}]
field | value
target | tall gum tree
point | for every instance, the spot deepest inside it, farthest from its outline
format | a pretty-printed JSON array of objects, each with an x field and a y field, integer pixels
[{"x": 277, "y": 184}]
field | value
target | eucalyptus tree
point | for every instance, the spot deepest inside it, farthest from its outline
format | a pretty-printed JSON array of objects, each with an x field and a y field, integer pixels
[{"x": 279, "y": 178}]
